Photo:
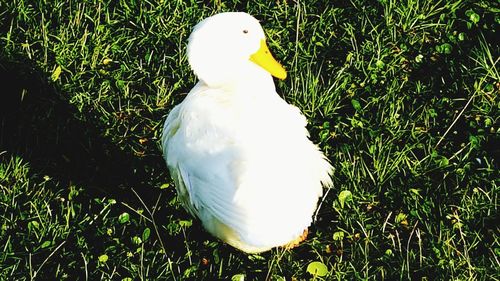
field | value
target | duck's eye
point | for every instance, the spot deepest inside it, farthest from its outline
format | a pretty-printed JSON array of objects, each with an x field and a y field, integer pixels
[{"x": 245, "y": 31}]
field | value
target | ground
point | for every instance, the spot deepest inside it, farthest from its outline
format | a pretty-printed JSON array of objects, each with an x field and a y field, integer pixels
[{"x": 403, "y": 96}]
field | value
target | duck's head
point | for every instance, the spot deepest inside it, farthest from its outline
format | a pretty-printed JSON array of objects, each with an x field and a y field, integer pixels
[{"x": 230, "y": 47}]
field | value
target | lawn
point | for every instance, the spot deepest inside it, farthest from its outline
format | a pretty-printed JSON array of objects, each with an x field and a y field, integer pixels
[{"x": 403, "y": 97}]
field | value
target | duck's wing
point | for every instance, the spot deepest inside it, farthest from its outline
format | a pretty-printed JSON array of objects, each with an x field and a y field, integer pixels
[
  {"x": 204, "y": 179},
  {"x": 207, "y": 190}
]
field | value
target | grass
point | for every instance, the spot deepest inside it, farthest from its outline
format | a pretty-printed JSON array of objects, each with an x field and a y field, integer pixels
[{"x": 401, "y": 95}]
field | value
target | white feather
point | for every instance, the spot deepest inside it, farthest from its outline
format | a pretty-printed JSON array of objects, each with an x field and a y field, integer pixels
[{"x": 242, "y": 161}]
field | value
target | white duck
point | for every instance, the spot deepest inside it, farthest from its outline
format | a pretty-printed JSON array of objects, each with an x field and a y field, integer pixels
[{"x": 239, "y": 155}]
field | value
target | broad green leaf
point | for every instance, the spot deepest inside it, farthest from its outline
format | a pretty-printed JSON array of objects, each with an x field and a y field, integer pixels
[
  {"x": 317, "y": 268},
  {"x": 379, "y": 64},
  {"x": 33, "y": 225},
  {"x": 344, "y": 196},
  {"x": 185, "y": 223},
  {"x": 120, "y": 84},
  {"x": 415, "y": 191},
  {"x": 400, "y": 217},
  {"x": 339, "y": 235},
  {"x": 446, "y": 48},
  {"x": 474, "y": 141},
  {"x": 146, "y": 233},
  {"x": 474, "y": 18},
  {"x": 56, "y": 73},
  {"x": 46, "y": 244},
  {"x": 238, "y": 277},
  {"x": 349, "y": 57},
  {"x": 488, "y": 122},
  {"x": 136, "y": 240},
  {"x": 124, "y": 218},
  {"x": 103, "y": 258},
  {"x": 372, "y": 149},
  {"x": 356, "y": 104},
  {"x": 444, "y": 162},
  {"x": 107, "y": 61}
]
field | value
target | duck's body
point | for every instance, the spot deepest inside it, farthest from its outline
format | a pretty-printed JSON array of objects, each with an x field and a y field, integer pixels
[{"x": 242, "y": 161}]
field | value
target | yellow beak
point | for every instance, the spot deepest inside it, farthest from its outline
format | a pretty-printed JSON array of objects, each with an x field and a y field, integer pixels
[{"x": 264, "y": 59}]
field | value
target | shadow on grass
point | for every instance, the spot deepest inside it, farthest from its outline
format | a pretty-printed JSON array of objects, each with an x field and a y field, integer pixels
[
  {"x": 42, "y": 128},
  {"x": 46, "y": 131}
]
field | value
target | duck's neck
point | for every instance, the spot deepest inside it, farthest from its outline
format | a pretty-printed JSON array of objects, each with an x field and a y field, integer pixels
[{"x": 254, "y": 81}]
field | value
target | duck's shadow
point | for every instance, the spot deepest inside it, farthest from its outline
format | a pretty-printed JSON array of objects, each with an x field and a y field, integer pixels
[
  {"x": 55, "y": 139},
  {"x": 38, "y": 125}
]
